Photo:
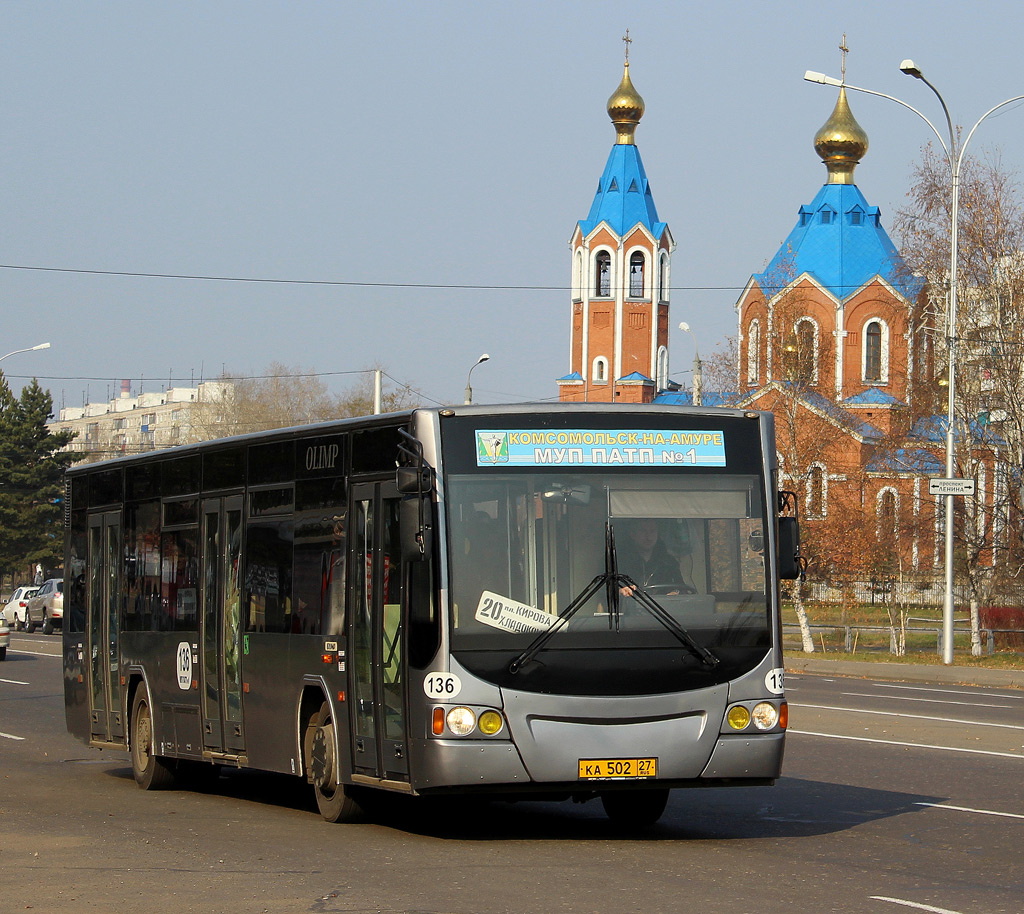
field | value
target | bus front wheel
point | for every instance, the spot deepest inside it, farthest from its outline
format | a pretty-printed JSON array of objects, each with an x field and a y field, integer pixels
[
  {"x": 634, "y": 808},
  {"x": 151, "y": 772},
  {"x": 332, "y": 800}
]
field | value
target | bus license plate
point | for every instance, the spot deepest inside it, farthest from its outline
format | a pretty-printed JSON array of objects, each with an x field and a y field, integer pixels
[{"x": 604, "y": 768}]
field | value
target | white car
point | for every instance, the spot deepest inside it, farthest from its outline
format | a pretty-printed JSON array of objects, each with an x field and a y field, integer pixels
[
  {"x": 14, "y": 612},
  {"x": 5, "y": 638}
]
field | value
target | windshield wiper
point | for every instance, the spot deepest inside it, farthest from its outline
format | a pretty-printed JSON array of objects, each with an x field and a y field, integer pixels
[{"x": 613, "y": 581}]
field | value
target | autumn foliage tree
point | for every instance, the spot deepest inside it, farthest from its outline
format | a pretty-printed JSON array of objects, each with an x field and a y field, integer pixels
[{"x": 989, "y": 341}]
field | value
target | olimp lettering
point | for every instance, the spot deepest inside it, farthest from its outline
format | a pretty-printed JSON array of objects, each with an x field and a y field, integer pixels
[{"x": 321, "y": 457}]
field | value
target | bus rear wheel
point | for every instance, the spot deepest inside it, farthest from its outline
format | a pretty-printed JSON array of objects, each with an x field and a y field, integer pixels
[
  {"x": 151, "y": 772},
  {"x": 332, "y": 800},
  {"x": 634, "y": 808}
]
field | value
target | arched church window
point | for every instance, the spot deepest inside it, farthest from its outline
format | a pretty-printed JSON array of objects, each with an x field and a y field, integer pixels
[
  {"x": 816, "y": 482},
  {"x": 662, "y": 373},
  {"x": 663, "y": 277},
  {"x": 600, "y": 375},
  {"x": 888, "y": 514},
  {"x": 577, "y": 276},
  {"x": 636, "y": 275},
  {"x": 603, "y": 274},
  {"x": 753, "y": 352},
  {"x": 804, "y": 352},
  {"x": 873, "y": 351}
]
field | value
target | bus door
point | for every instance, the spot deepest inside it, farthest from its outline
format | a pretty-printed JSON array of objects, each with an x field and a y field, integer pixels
[
  {"x": 222, "y": 623},
  {"x": 376, "y": 634},
  {"x": 107, "y": 723}
]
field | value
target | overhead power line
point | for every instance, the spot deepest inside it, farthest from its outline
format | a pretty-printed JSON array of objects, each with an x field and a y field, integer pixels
[{"x": 475, "y": 287}]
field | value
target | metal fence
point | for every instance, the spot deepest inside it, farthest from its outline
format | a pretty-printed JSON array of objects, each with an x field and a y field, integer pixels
[
  {"x": 903, "y": 593},
  {"x": 918, "y": 639}
]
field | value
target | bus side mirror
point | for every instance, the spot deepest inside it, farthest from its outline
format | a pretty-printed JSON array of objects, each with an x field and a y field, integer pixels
[
  {"x": 415, "y": 520},
  {"x": 789, "y": 563},
  {"x": 414, "y": 479}
]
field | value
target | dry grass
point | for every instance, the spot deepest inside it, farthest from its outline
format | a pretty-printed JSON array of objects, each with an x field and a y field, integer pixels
[{"x": 921, "y": 646}]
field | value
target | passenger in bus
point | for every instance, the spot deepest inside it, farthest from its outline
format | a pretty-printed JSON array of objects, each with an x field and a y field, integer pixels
[{"x": 643, "y": 557}]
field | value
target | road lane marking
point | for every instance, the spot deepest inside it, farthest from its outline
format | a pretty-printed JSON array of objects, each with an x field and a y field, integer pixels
[
  {"x": 11, "y": 736},
  {"x": 979, "y": 690},
  {"x": 893, "y": 742},
  {"x": 914, "y": 904},
  {"x": 13, "y": 681},
  {"x": 937, "y": 701},
  {"x": 983, "y": 812},
  {"x": 942, "y": 720},
  {"x": 34, "y": 653}
]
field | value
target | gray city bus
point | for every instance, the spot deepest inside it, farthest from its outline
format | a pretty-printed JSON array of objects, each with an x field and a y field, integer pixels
[{"x": 516, "y": 602}]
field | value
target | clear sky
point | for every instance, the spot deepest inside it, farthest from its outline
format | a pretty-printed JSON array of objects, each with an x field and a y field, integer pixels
[{"x": 384, "y": 154}]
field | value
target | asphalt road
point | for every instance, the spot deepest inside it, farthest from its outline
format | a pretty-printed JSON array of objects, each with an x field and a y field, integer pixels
[{"x": 896, "y": 797}]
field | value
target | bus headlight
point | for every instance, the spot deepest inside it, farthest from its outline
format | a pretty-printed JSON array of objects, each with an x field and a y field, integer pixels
[
  {"x": 765, "y": 715},
  {"x": 738, "y": 717},
  {"x": 490, "y": 723},
  {"x": 461, "y": 721}
]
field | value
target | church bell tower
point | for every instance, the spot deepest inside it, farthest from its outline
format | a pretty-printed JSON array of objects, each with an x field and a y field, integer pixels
[{"x": 620, "y": 276}]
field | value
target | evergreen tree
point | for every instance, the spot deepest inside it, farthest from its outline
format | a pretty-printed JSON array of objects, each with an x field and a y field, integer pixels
[{"x": 32, "y": 469}]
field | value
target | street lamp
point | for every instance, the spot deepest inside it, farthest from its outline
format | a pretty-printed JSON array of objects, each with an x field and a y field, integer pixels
[
  {"x": 954, "y": 157},
  {"x": 29, "y": 349},
  {"x": 698, "y": 365},
  {"x": 469, "y": 377}
]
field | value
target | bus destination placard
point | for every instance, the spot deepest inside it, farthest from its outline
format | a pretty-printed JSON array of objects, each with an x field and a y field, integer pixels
[{"x": 587, "y": 447}]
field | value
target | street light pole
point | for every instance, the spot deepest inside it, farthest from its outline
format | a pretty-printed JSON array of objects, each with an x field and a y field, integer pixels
[
  {"x": 469, "y": 377},
  {"x": 698, "y": 367},
  {"x": 954, "y": 157},
  {"x": 29, "y": 349}
]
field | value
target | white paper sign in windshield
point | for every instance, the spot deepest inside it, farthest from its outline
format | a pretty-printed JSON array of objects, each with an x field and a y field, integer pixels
[
  {"x": 511, "y": 615},
  {"x": 584, "y": 447}
]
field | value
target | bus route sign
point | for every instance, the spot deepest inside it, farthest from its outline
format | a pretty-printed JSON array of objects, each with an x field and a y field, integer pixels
[
  {"x": 589, "y": 447},
  {"x": 950, "y": 486}
]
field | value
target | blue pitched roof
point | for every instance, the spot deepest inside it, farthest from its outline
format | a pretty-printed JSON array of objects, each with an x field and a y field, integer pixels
[
  {"x": 685, "y": 398},
  {"x": 623, "y": 196},
  {"x": 840, "y": 241},
  {"x": 823, "y": 405},
  {"x": 840, "y": 415},
  {"x": 873, "y": 396},
  {"x": 906, "y": 460},
  {"x": 571, "y": 376},
  {"x": 933, "y": 428},
  {"x": 635, "y": 376}
]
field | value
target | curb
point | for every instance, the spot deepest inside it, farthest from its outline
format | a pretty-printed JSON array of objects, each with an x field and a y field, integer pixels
[{"x": 907, "y": 672}]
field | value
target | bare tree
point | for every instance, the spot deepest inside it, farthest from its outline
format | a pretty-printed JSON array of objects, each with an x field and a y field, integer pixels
[
  {"x": 284, "y": 396},
  {"x": 810, "y": 431},
  {"x": 989, "y": 340}
]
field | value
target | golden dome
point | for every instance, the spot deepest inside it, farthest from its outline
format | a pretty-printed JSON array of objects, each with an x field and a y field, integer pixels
[
  {"x": 625, "y": 108},
  {"x": 841, "y": 142}
]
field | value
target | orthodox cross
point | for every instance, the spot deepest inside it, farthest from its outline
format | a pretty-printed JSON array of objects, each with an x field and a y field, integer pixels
[{"x": 628, "y": 41}]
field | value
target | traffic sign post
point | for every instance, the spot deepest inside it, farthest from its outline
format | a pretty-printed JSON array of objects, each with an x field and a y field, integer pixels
[{"x": 950, "y": 486}]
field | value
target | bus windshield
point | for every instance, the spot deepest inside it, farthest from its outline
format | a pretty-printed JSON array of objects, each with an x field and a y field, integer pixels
[{"x": 524, "y": 546}]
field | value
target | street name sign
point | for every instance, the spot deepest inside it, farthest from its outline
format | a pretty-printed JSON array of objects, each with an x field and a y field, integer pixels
[{"x": 950, "y": 486}]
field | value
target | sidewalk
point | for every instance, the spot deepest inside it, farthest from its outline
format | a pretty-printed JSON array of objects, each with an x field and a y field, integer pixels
[{"x": 905, "y": 672}]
